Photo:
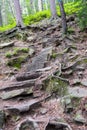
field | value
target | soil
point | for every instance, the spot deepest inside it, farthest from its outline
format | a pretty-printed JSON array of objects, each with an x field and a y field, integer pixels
[{"x": 50, "y": 108}]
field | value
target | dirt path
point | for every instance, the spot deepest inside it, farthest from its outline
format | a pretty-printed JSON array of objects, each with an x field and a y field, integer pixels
[{"x": 36, "y": 93}]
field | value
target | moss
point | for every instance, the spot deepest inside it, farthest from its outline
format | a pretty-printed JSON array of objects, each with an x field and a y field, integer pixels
[
  {"x": 17, "y": 52},
  {"x": 56, "y": 86},
  {"x": 54, "y": 55},
  {"x": 16, "y": 62},
  {"x": 71, "y": 30},
  {"x": 22, "y": 36},
  {"x": 8, "y": 55}
]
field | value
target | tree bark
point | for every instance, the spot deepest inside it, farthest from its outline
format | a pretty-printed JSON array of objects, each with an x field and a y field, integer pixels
[
  {"x": 63, "y": 15},
  {"x": 18, "y": 13},
  {"x": 53, "y": 9},
  {"x": 1, "y": 23},
  {"x": 40, "y": 5}
]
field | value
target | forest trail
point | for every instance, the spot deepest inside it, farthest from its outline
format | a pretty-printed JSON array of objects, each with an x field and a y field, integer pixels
[{"x": 43, "y": 78}]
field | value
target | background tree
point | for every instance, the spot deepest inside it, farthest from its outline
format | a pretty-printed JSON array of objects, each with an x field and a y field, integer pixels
[
  {"x": 53, "y": 9},
  {"x": 63, "y": 16},
  {"x": 18, "y": 13}
]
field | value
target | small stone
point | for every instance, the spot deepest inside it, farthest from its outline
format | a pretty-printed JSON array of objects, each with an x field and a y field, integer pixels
[
  {"x": 84, "y": 82},
  {"x": 76, "y": 81},
  {"x": 43, "y": 111},
  {"x": 31, "y": 38},
  {"x": 79, "y": 118},
  {"x": 31, "y": 51},
  {"x": 67, "y": 104}
]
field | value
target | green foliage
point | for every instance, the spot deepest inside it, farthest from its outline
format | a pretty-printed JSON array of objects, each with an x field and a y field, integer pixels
[
  {"x": 70, "y": 8},
  {"x": 7, "y": 27},
  {"x": 36, "y": 17},
  {"x": 82, "y": 16}
]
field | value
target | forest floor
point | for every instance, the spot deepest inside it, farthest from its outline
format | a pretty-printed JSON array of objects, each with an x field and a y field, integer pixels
[{"x": 43, "y": 77}]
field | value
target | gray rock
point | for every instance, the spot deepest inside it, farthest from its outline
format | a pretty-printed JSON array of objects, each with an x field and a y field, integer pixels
[
  {"x": 31, "y": 51},
  {"x": 84, "y": 82},
  {"x": 13, "y": 93},
  {"x": 31, "y": 38},
  {"x": 43, "y": 111},
  {"x": 38, "y": 61},
  {"x": 67, "y": 104},
  {"x": 76, "y": 82},
  {"x": 79, "y": 118},
  {"x": 77, "y": 92}
]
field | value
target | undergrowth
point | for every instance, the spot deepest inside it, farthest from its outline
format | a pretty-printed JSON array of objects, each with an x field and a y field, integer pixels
[{"x": 70, "y": 9}]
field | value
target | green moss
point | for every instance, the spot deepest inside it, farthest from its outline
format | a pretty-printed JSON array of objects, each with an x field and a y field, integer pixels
[
  {"x": 8, "y": 55},
  {"x": 7, "y": 27},
  {"x": 54, "y": 55},
  {"x": 71, "y": 30},
  {"x": 56, "y": 86},
  {"x": 16, "y": 52},
  {"x": 22, "y": 36},
  {"x": 16, "y": 62},
  {"x": 25, "y": 50}
]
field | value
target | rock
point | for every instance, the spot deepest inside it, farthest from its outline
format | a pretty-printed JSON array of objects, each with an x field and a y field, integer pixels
[
  {"x": 10, "y": 44},
  {"x": 79, "y": 118},
  {"x": 10, "y": 94},
  {"x": 43, "y": 111},
  {"x": 31, "y": 38},
  {"x": 31, "y": 51},
  {"x": 76, "y": 82},
  {"x": 38, "y": 61},
  {"x": 84, "y": 82},
  {"x": 2, "y": 119},
  {"x": 77, "y": 92},
  {"x": 67, "y": 104}
]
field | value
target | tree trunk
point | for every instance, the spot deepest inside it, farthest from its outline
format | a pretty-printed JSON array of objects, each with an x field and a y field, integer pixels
[
  {"x": 18, "y": 13},
  {"x": 1, "y": 23},
  {"x": 40, "y": 5},
  {"x": 63, "y": 15},
  {"x": 53, "y": 9}
]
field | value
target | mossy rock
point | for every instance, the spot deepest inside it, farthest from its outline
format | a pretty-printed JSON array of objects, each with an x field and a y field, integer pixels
[
  {"x": 21, "y": 36},
  {"x": 16, "y": 62},
  {"x": 57, "y": 86}
]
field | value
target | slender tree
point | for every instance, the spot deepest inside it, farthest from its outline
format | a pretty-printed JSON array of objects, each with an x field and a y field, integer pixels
[
  {"x": 18, "y": 13},
  {"x": 53, "y": 9},
  {"x": 63, "y": 16},
  {"x": 1, "y": 23},
  {"x": 40, "y": 5}
]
